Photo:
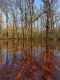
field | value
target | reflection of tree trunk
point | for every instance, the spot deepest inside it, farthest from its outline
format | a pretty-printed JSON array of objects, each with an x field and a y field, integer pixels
[
  {"x": 14, "y": 51},
  {"x": 0, "y": 53}
]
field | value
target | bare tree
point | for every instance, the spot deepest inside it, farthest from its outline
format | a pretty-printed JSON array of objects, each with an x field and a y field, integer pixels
[{"x": 50, "y": 20}]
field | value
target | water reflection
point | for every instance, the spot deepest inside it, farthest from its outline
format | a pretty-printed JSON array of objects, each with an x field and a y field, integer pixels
[
  {"x": 17, "y": 48},
  {"x": 13, "y": 51}
]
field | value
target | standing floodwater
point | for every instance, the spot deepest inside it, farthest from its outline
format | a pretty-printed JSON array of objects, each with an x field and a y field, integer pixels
[{"x": 13, "y": 61}]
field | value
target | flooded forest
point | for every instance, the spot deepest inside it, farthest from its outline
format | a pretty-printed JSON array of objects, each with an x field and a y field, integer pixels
[{"x": 29, "y": 40}]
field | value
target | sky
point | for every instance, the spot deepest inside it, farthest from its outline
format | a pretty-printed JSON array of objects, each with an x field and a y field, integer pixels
[{"x": 37, "y": 3}]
